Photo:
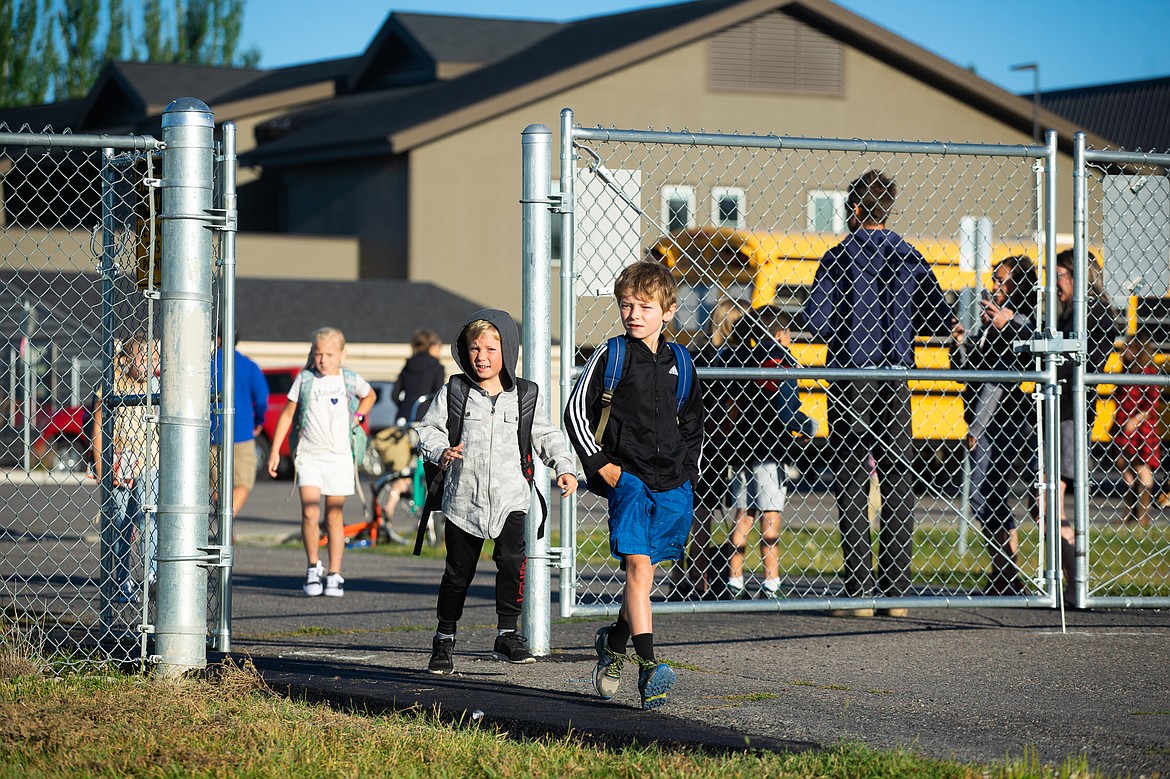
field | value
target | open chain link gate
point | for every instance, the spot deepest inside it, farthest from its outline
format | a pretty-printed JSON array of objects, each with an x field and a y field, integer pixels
[
  {"x": 1121, "y": 204},
  {"x": 105, "y": 305},
  {"x": 743, "y": 221}
]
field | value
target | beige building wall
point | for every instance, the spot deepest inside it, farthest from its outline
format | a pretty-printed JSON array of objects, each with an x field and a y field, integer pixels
[
  {"x": 258, "y": 255},
  {"x": 282, "y": 256},
  {"x": 471, "y": 243}
]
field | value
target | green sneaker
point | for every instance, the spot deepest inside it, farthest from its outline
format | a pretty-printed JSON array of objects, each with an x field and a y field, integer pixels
[
  {"x": 654, "y": 681},
  {"x": 607, "y": 674}
]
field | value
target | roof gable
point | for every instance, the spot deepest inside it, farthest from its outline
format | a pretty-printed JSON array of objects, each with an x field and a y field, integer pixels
[
  {"x": 1133, "y": 114},
  {"x": 590, "y": 48},
  {"x": 413, "y": 48}
]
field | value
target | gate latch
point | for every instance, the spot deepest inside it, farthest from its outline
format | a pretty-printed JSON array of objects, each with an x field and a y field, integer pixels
[{"x": 1048, "y": 342}]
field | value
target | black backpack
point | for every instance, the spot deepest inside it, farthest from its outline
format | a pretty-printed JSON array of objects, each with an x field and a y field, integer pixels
[{"x": 458, "y": 388}]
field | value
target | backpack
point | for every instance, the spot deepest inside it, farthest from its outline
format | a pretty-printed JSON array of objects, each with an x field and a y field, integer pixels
[
  {"x": 458, "y": 388},
  {"x": 615, "y": 363},
  {"x": 358, "y": 438}
]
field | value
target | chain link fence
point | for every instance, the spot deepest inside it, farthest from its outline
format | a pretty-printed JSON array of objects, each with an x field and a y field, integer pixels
[
  {"x": 1123, "y": 544},
  {"x": 80, "y": 317},
  {"x": 743, "y": 223}
]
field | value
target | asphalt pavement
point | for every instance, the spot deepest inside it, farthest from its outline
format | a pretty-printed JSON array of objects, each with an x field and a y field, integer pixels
[{"x": 968, "y": 684}]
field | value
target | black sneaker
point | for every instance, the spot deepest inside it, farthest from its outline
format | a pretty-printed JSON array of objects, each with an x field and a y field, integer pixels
[
  {"x": 513, "y": 648},
  {"x": 442, "y": 656}
]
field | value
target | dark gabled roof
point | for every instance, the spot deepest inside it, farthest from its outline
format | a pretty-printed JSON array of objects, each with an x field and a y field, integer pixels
[
  {"x": 48, "y": 117},
  {"x": 281, "y": 79},
  {"x": 1134, "y": 115},
  {"x": 367, "y": 311},
  {"x": 472, "y": 39},
  {"x": 382, "y": 116},
  {"x": 152, "y": 84},
  {"x": 68, "y": 304},
  {"x": 413, "y": 48},
  {"x": 69, "y": 307},
  {"x": 129, "y": 96},
  {"x": 587, "y": 49}
]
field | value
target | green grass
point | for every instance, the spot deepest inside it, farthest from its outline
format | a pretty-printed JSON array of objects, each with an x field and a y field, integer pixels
[
  {"x": 1123, "y": 560},
  {"x": 229, "y": 725}
]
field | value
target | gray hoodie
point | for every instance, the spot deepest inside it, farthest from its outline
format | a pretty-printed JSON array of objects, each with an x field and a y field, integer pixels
[{"x": 486, "y": 485}]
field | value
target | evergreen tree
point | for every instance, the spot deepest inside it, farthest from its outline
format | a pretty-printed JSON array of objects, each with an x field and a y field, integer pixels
[
  {"x": 52, "y": 49},
  {"x": 79, "y": 21},
  {"x": 28, "y": 58}
]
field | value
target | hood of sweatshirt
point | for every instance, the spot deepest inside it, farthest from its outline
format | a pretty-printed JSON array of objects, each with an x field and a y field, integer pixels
[
  {"x": 509, "y": 344},
  {"x": 873, "y": 251}
]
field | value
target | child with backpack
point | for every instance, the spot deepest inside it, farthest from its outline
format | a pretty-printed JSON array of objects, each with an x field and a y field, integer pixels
[
  {"x": 481, "y": 429},
  {"x": 327, "y": 405},
  {"x": 766, "y": 417},
  {"x": 639, "y": 438}
]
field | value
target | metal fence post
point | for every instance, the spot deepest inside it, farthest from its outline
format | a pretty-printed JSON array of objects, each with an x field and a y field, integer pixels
[
  {"x": 536, "y": 144},
  {"x": 1079, "y": 392},
  {"x": 567, "y": 584},
  {"x": 227, "y": 180},
  {"x": 184, "y": 411}
]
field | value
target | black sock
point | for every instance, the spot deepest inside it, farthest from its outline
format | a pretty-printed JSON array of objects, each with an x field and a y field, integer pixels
[
  {"x": 644, "y": 646},
  {"x": 619, "y": 636}
]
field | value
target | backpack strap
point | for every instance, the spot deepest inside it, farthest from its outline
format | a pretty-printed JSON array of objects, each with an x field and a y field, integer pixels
[
  {"x": 357, "y": 435},
  {"x": 615, "y": 362},
  {"x": 686, "y": 374},
  {"x": 528, "y": 394},
  {"x": 304, "y": 395},
  {"x": 457, "y": 391}
]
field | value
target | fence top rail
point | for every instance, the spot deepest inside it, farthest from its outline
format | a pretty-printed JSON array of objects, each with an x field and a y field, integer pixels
[
  {"x": 1127, "y": 157},
  {"x": 72, "y": 141},
  {"x": 809, "y": 144}
]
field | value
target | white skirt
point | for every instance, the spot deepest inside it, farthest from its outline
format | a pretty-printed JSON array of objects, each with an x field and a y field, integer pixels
[{"x": 332, "y": 473}]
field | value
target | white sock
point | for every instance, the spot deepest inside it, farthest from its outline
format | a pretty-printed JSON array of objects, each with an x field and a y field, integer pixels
[
  {"x": 735, "y": 582},
  {"x": 445, "y": 636},
  {"x": 501, "y": 631}
]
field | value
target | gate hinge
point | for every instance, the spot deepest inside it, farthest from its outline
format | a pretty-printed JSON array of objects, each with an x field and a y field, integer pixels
[{"x": 224, "y": 219}]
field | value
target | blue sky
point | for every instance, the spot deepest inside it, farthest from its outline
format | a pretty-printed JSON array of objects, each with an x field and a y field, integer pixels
[{"x": 1075, "y": 42}]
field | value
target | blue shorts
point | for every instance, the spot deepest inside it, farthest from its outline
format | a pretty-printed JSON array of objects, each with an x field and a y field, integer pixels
[{"x": 644, "y": 522}]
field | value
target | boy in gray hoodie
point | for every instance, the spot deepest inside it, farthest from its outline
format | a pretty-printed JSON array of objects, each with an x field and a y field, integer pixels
[{"x": 487, "y": 493}]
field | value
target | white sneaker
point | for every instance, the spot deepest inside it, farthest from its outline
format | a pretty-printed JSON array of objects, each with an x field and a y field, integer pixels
[
  {"x": 313, "y": 579},
  {"x": 333, "y": 584}
]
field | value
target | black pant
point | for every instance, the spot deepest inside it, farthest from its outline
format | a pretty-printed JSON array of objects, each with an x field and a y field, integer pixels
[
  {"x": 462, "y": 557},
  {"x": 873, "y": 417}
]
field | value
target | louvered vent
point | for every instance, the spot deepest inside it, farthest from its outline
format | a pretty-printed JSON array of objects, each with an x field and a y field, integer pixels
[{"x": 776, "y": 53}]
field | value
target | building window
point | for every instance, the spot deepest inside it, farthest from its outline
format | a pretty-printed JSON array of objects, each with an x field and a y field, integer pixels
[
  {"x": 678, "y": 207},
  {"x": 728, "y": 207},
  {"x": 779, "y": 54},
  {"x": 826, "y": 212}
]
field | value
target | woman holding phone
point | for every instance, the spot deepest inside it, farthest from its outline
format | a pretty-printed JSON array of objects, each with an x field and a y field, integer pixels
[{"x": 998, "y": 414}]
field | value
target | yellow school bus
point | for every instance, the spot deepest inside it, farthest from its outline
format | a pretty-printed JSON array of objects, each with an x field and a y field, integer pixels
[{"x": 778, "y": 269}]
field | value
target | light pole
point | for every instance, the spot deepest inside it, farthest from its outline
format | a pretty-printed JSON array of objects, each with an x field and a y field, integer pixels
[{"x": 1035, "y": 68}]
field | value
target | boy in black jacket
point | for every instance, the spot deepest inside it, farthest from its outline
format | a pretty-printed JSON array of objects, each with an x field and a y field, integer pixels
[{"x": 645, "y": 459}]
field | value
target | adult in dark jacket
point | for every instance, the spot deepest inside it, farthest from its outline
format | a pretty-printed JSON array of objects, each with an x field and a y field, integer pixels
[
  {"x": 871, "y": 295},
  {"x": 421, "y": 377},
  {"x": 999, "y": 416}
]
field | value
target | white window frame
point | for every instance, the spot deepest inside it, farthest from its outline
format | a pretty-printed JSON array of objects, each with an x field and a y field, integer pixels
[
  {"x": 672, "y": 191},
  {"x": 718, "y": 194},
  {"x": 838, "y": 199}
]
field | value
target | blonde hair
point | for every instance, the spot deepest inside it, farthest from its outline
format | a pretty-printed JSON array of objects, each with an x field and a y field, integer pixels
[
  {"x": 478, "y": 327},
  {"x": 723, "y": 318},
  {"x": 320, "y": 334}
]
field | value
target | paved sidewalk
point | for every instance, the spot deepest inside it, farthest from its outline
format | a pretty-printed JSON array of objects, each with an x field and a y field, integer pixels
[{"x": 976, "y": 685}]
